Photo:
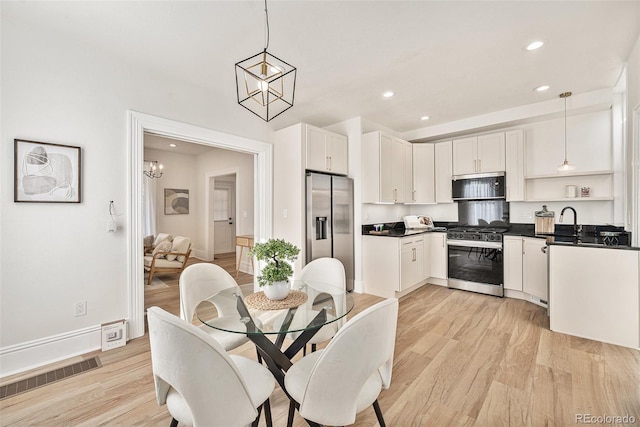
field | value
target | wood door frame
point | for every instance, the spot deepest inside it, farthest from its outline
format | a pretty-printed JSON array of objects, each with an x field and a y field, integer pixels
[
  {"x": 139, "y": 123},
  {"x": 213, "y": 174}
]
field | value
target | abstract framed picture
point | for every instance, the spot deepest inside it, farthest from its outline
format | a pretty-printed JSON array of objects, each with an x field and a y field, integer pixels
[
  {"x": 46, "y": 173},
  {"x": 176, "y": 201}
]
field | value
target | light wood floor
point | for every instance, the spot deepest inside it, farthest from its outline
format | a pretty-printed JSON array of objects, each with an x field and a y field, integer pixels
[{"x": 461, "y": 359}]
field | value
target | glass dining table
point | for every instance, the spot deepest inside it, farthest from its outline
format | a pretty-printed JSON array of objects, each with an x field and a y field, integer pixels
[{"x": 309, "y": 308}]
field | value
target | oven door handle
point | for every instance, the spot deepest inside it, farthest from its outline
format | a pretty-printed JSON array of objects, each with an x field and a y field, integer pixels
[{"x": 475, "y": 244}]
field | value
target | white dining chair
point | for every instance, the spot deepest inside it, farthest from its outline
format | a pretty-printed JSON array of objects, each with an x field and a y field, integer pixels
[
  {"x": 198, "y": 282},
  {"x": 325, "y": 276},
  {"x": 332, "y": 385},
  {"x": 199, "y": 382}
]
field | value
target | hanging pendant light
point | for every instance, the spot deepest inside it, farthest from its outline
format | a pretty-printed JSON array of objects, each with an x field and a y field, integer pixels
[
  {"x": 565, "y": 166},
  {"x": 265, "y": 84}
]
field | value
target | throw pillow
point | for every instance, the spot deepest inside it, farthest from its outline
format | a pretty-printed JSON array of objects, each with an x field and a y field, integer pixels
[
  {"x": 180, "y": 244},
  {"x": 148, "y": 241},
  {"x": 162, "y": 247}
]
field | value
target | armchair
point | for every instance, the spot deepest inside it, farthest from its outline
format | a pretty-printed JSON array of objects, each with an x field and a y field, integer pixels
[
  {"x": 150, "y": 243},
  {"x": 163, "y": 261}
]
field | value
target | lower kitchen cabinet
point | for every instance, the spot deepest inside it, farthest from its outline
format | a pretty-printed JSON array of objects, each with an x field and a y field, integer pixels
[
  {"x": 534, "y": 268},
  {"x": 512, "y": 252},
  {"x": 393, "y": 265},
  {"x": 411, "y": 262},
  {"x": 595, "y": 293},
  {"x": 439, "y": 256},
  {"x": 525, "y": 266}
]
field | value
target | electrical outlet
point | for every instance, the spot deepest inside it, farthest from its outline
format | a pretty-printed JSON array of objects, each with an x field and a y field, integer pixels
[{"x": 80, "y": 308}]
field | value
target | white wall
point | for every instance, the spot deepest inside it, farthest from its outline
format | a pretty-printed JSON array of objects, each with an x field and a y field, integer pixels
[
  {"x": 58, "y": 90},
  {"x": 179, "y": 173}
]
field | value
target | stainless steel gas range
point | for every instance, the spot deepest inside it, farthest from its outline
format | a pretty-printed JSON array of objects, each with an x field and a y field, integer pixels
[{"x": 475, "y": 259}]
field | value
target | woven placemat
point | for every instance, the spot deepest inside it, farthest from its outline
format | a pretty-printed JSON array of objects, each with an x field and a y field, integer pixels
[{"x": 260, "y": 301}]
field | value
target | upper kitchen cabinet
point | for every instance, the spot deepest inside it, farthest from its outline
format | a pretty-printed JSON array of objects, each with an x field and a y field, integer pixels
[
  {"x": 423, "y": 183},
  {"x": 326, "y": 151},
  {"x": 386, "y": 168},
  {"x": 479, "y": 154},
  {"x": 514, "y": 165},
  {"x": 443, "y": 152}
]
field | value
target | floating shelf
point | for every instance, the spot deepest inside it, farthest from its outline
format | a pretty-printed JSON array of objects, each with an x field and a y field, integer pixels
[
  {"x": 573, "y": 199},
  {"x": 551, "y": 188},
  {"x": 570, "y": 174}
]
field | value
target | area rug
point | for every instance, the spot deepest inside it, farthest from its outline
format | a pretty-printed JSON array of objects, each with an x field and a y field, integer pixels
[{"x": 155, "y": 283}]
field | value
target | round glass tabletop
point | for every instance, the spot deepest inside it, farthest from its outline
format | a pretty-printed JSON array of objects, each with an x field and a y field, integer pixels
[{"x": 309, "y": 305}]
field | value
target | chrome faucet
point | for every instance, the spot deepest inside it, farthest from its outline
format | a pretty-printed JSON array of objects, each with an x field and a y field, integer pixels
[{"x": 576, "y": 228}]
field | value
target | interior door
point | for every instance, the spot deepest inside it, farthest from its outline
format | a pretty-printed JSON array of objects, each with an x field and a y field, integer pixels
[{"x": 224, "y": 217}]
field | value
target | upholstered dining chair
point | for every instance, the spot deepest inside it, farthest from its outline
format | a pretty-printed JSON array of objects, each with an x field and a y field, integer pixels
[
  {"x": 324, "y": 275},
  {"x": 332, "y": 385},
  {"x": 199, "y": 382},
  {"x": 171, "y": 258},
  {"x": 200, "y": 281}
]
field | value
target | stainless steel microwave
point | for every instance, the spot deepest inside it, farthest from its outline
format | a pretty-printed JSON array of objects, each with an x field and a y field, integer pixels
[{"x": 482, "y": 186}]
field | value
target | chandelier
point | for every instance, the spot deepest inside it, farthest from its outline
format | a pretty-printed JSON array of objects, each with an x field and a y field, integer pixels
[
  {"x": 152, "y": 169},
  {"x": 265, "y": 84}
]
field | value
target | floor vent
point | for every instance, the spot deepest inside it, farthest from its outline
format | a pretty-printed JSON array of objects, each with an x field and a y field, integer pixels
[{"x": 48, "y": 377}]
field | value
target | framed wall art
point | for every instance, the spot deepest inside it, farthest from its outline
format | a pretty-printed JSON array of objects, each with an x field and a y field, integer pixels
[
  {"x": 176, "y": 202},
  {"x": 46, "y": 173}
]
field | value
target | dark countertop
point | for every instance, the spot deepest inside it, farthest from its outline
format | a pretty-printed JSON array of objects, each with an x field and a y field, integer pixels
[
  {"x": 397, "y": 229},
  {"x": 563, "y": 236},
  {"x": 590, "y": 237}
]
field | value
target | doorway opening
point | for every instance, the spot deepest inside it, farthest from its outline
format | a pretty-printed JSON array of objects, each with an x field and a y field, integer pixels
[
  {"x": 138, "y": 125},
  {"x": 222, "y": 213}
]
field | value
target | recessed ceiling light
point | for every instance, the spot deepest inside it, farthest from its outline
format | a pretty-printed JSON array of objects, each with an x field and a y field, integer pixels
[
  {"x": 534, "y": 45},
  {"x": 424, "y": 118},
  {"x": 542, "y": 88},
  {"x": 388, "y": 94},
  {"x": 172, "y": 145}
]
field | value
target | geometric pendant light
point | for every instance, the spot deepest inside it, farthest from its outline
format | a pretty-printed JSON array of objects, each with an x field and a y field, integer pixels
[
  {"x": 565, "y": 166},
  {"x": 265, "y": 84}
]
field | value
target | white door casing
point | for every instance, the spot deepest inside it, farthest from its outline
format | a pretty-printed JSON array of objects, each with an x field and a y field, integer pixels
[{"x": 139, "y": 123}]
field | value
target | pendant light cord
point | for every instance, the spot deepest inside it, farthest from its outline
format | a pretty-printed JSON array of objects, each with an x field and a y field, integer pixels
[
  {"x": 565, "y": 128},
  {"x": 266, "y": 26}
]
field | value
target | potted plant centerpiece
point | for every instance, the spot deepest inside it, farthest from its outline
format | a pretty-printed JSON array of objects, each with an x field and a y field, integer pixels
[{"x": 274, "y": 278}]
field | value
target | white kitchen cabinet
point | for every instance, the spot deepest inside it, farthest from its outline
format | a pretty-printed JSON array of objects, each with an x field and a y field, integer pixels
[
  {"x": 326, "y": 151},
  {"x": 535, "y": 268},
  {"x": 391, "y": 264},
  {"x": 479, "y": 154},
  {"x": 515, "y": 165},
  {"x": 426, "y": 255},
  {"x": 439, "y": 255},
  {"x": 411, "y": 262},
  {"x": 385, "y": 172},
  {"x": 595, "y": 293},
  {"x": 443, "y": 153},
  {"x": 512, "y": 252},
  {"x": 423, "y": 176}
]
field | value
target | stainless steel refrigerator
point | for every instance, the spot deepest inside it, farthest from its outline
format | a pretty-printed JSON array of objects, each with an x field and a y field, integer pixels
[{"x": 329, "y": 220}]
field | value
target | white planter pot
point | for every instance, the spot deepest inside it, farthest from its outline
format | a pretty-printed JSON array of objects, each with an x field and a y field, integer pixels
[{"x": 277, "y": 291}]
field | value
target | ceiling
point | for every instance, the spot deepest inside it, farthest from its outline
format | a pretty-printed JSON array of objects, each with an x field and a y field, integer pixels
[{"x": 449, "y": 60}]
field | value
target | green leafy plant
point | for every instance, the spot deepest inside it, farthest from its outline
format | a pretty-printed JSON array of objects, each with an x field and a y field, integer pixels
[{"x": 278, "y": 255}]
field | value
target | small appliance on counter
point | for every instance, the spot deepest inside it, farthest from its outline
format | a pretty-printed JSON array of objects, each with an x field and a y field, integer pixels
[
  {"x": 545, "y": 221},
  {"x": 421, "y": 222}
]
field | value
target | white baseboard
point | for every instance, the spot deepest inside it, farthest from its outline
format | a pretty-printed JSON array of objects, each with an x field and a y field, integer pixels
[{"x": 22, "y": 357}]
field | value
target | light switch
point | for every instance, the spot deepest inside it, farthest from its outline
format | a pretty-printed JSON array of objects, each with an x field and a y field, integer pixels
[{"x": 284, "y": 213}]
